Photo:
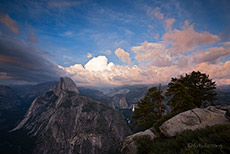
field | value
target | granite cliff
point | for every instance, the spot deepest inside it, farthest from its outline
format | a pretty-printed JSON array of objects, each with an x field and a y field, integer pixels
[{"x": 65, "y": 122}]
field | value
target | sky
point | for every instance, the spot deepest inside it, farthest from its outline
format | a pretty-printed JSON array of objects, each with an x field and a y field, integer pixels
[{"x": 113, "y": 42}]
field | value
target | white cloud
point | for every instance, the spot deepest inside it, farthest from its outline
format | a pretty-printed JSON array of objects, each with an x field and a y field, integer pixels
[
  {"x": 155, "y": 13},
  {"x": 227, "y": 44},
  {"x": 89, "y": 55},
  {"x": 187, "y": 38},
  {"x": 99, "y": 72},
  {"x": 211, "y": 55},
  {"x": 98, "y": 64},
  {"x": 220, "y": 72},
  {"x": 156, "y": 53},
  {"x": 169, "y": 23},
  {"x": 124, "y": 56},
  {"x": 158, "y": 62}
]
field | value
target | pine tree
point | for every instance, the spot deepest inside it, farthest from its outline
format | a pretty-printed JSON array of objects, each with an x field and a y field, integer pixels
[
  {"x": 190, "y": 91},
  {"x": 149, "y": 109}
]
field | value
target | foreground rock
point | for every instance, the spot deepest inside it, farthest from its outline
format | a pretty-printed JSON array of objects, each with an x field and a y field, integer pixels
[
  {"x": 193, "y": 119},
  {"x": 129, "y": 146},
  {"x": 65, "y": 123}
]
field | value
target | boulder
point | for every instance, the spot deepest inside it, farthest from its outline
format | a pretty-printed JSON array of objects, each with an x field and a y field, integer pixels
[
  {"x": 193, "y": 119},
  {"x": 129, "y": 146}
]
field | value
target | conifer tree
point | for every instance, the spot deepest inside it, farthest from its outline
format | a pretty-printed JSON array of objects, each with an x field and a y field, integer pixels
[
  {"x": 190, "y": 91},
  {"x": 149, "y": 109}
]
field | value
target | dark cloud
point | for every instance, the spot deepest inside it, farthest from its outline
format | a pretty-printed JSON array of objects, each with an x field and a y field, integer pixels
[{"x": 22, "y": 62}]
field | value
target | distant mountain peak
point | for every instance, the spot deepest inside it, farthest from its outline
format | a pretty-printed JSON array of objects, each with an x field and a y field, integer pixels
[
  {"x": 65, "y": 122},
  {"x": 65, "y": 84}
]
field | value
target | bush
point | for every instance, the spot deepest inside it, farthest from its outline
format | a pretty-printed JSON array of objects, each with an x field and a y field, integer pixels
[
  {"x": 215, "y": 139},
  {"x": 143, "y": 143}
]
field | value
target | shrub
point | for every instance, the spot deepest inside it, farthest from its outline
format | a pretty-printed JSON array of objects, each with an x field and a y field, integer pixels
[{"x": 215, "y": 139}]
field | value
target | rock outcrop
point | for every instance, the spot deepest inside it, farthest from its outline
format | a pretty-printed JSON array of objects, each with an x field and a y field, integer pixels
[
  {"x": 129, "y": 146},
  {"x": 64, "y": 85},
  {"x": 65, "y": 122},
  {"x": 118, "y": 101},
  {"x": 193, "y": 119},
  {"x": 37, "y": 90}
]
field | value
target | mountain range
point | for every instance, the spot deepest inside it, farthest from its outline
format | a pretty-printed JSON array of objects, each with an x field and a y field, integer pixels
[{"x": 58, "y": 117}]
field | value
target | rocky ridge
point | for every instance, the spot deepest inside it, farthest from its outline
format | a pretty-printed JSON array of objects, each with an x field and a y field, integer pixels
[
  {"x": 66, "y": 122},
  {"x": 193, "y": 119}
]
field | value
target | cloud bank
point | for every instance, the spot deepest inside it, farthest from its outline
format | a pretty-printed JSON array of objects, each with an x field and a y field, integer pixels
[
  {"x": 20, "y": 62},
  {"x": 180, "y": 51}
]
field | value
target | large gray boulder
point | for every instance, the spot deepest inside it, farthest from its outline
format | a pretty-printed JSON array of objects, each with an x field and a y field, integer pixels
[
  {"x": 129, "y": 146},
  {"x": 193, "y": 119}
]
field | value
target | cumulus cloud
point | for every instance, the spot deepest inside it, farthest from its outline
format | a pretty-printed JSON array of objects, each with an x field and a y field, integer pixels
[
  {"x": 211, "y": 55},
  {"x": 169, "y": 23},
  {"x": 159, "y": 62},
  {"x": 156, "y": 53},
  {"x": 187, "y": 38},
  {"x": 98, "y": 64},
  {"x": 155, "y": 13},
  {"x": 89, "y": 55},
  {"x": 22, "y": 62},
  {"x": 227, "y": 44},
  {"x": 219, "y": 72},
  {"x": 147, "y": 51},
  {"x": 98, "y": 71},
  {"x": 124, "y": 56},
  {"x": 9, "y": 22}
]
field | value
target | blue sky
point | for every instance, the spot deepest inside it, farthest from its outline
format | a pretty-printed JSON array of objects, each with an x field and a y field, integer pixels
[{"x": 66, "y": 33}]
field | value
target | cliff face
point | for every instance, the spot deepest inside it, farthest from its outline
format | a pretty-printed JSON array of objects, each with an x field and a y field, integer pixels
[
  {"x": 65, "y": 122},
  {"x": 8, "y": 99},
  {"x": 10, "y": 109},
  {"x": 119, "y": 101}
]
